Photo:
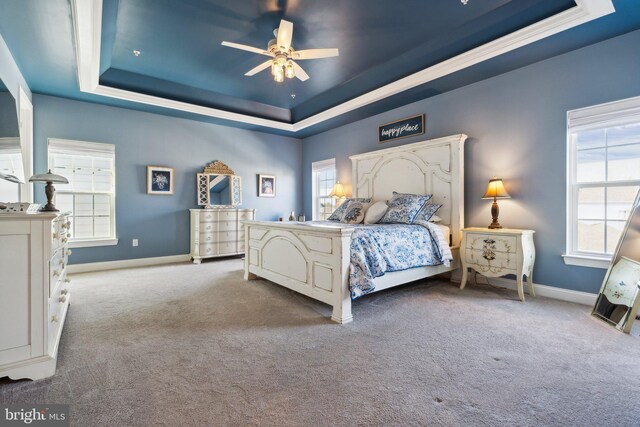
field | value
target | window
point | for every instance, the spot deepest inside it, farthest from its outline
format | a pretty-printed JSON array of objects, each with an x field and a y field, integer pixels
[
  {"x": 603, "y": 179},
  {"x": 90, "y": 194},
  {"x": 324, "y": 176}
]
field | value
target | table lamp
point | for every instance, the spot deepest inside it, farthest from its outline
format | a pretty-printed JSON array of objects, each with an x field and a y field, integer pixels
[
  {"x": 338, "y": 191},
  {"x": 495, "y": 191},
  {"x": 49, "y": 189}
]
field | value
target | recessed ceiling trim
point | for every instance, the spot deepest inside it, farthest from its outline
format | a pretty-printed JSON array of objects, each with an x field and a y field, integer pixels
[{"x": 87, "y": 22}]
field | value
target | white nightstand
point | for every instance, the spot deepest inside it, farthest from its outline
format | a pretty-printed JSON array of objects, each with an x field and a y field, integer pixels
[{"x": 498, "y": 252}]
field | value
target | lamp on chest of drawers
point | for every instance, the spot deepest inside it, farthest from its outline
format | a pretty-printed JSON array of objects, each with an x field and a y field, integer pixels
[
  {"x": 49, "y": 189},
  {"x": 495, "y": 191}
]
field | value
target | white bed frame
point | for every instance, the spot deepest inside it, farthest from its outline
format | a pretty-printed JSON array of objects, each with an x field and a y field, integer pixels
[{"x": 314, "y": 260}]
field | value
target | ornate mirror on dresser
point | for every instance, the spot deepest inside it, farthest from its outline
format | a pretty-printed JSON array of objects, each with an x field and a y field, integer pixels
[
  {"x": 217, "y": 229},
  {"x": 619, "y": 297},
  {"x": 219, "y": 186}
]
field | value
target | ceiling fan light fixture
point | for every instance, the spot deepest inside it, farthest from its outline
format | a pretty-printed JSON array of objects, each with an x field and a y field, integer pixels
[
  {"x": 279, "y": 75},
  {"x": 274, "y": 67},
  {"x": 289, "y": 70}
]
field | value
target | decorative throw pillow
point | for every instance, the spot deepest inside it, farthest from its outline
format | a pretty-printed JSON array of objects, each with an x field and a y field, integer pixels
[
  {"x": 403, "y": 208},
  {"x": 340, "y": 210},
  {"x": 427, "y": 212},
  {"x": 375, "y": 212},
  {"x": 355, "y": 212}
]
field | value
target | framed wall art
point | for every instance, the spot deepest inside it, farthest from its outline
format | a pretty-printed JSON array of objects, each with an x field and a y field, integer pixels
[
  {"x": 160, "y": 180},
  {"x": 266, "y": 185}
]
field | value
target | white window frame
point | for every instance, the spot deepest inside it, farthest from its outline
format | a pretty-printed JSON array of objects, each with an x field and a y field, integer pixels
[
  {"x": 80, "y": 147},
  {"x": 316, "y": 167},
  {"x": 618, "y": 113}
]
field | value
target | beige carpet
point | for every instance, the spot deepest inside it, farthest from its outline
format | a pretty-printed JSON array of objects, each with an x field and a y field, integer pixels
[{"x": 197, "y": 346}]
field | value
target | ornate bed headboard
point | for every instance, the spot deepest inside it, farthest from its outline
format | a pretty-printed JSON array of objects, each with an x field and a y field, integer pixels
[{"x": 433, "y": 167}]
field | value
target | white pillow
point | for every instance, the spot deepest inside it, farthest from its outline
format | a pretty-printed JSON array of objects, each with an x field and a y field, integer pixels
[
  {"x": 375, "y": 212},
  {"x": 435, "y": 218}
]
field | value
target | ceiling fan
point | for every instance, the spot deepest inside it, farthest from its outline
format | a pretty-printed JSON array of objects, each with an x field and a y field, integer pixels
[{"x": 283, "y": 54}]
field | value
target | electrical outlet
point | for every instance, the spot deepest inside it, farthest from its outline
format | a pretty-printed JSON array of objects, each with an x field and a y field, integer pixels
[{"x": 134, "y": 242}]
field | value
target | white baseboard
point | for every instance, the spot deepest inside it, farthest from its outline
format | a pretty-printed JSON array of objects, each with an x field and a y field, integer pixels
[
  {"x": 126, "y": 263},
  {"x": 578, "y": 297}
]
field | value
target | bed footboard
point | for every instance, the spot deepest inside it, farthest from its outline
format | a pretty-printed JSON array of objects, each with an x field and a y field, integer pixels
[{"x": 313, "y": 261}]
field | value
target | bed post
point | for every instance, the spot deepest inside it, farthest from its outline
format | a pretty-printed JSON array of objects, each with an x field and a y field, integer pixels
[
  {"x": 342, "y": 305},
  {"x": 247, "y": 232}
]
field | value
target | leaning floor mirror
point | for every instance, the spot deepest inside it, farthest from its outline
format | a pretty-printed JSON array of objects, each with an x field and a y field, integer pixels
[{"x": 619, "y": 297}]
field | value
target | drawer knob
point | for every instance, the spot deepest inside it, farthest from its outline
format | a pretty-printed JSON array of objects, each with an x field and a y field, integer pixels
[
  {"x": 64, "y": 240},
  {"x": 56, "y": 273},
  {"x": 64, "y": 225},
  {"x": 54, "y": 319},
  {"x": 64, "y": 291},
  {"x": 61, "y": 262},
  {"x": 69, "y": 252},
  {"x": 69, "y": 224},
  {"x": 67, "y": 280},
  {"x": 55, "y": 235},
  {"x": 63, "y": 298}
]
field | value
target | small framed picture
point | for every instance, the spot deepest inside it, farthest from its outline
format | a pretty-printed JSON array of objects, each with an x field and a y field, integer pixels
[
  {"x": 160, "y": 180},
  {"x": 266, "y": 185}
]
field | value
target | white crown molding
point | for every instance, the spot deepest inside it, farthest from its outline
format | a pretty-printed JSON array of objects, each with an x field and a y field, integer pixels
[{"x": 87, "y": 23}]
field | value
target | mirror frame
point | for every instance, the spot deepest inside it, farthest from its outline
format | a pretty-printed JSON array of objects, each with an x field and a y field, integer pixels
[
  {"x": 235, "y": 185},
  {"x": 626, "y": 322}
]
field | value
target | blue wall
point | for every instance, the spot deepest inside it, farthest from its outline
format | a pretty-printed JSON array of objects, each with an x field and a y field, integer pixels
[
  {"x": 517, "y": 128},
  {"x": 8, "y": 116},
  {"x": 161, "y": 223}
]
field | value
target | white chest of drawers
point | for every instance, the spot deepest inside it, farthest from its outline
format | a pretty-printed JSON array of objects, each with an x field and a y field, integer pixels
[
  {"x": 34, "y": 295},
  {"x": 218, "y": 232},
  {"x": 498, "y": 252}
]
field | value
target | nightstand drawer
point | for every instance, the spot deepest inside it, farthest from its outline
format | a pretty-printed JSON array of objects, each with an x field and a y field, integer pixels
[
  {"x": 489, "y": 261},
  {"x": 481, "y": 242}
]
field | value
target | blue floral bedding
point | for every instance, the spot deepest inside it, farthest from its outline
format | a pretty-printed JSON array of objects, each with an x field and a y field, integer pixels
[{"x": 380, "y": 248}]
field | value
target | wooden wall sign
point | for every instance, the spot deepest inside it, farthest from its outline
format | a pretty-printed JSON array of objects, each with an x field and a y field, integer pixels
[{"x": 401, "y": 129}]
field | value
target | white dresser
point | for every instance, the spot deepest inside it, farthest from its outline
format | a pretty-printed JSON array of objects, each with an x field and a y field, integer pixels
[
  {"x": 34, "y": 294},
  {"x": 217, "y": 232}
]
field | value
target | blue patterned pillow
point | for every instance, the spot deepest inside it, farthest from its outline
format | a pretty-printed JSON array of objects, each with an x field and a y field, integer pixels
[
  {"x": 427, "y": 212},
  {"x": 338, "y": 214},
  {"x": 403, "y": 208}
]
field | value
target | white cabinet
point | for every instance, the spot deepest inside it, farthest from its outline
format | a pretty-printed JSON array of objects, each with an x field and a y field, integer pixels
[
  {"x": 498, "y": 252},
  {"x": 34, "y": 294},
  {"x": 217, "y": 232}
]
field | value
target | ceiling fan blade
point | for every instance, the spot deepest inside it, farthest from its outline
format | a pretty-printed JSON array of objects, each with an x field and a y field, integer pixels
[
  {"x": 285, "y": 34},
  {"x": 315, "y": 53},
  {"x": 300, "y": 73},
  {"x": 259, "y": 68},
  {"x": 247, "y": 48}
]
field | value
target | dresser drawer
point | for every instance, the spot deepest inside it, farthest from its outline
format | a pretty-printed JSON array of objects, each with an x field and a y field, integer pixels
[
  {"x": 227, "y": 226},
  {"x": 227, "y": 236},
  {"x": 228, "y": 248},
  {"x": 208, "y": 227},
  {"x": 491, "y": 262},
  {"x": 58, "y": 304},
  {"x": 57, "y": 267},
  {"x": 228, "y": 215},
  {"x": 490, "y": 242},
  {"x": 208, "y": 249},
  {"x": 206, "y": 238},
  {"x": 244, "y": 216},
  {"x": 208, "y": 216}
]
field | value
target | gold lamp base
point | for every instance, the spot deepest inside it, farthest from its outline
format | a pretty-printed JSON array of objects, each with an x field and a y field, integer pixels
[{"x": 494, "y": 215}]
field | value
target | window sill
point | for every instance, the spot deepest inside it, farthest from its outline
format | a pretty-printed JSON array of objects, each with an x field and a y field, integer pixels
[
  {"x": 587, "y": 261},
  {"x": 92, "y": 243}
]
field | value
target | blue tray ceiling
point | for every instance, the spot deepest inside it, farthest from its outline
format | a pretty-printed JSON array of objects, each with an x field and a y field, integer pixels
[{"x": 380, "y": 41}]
